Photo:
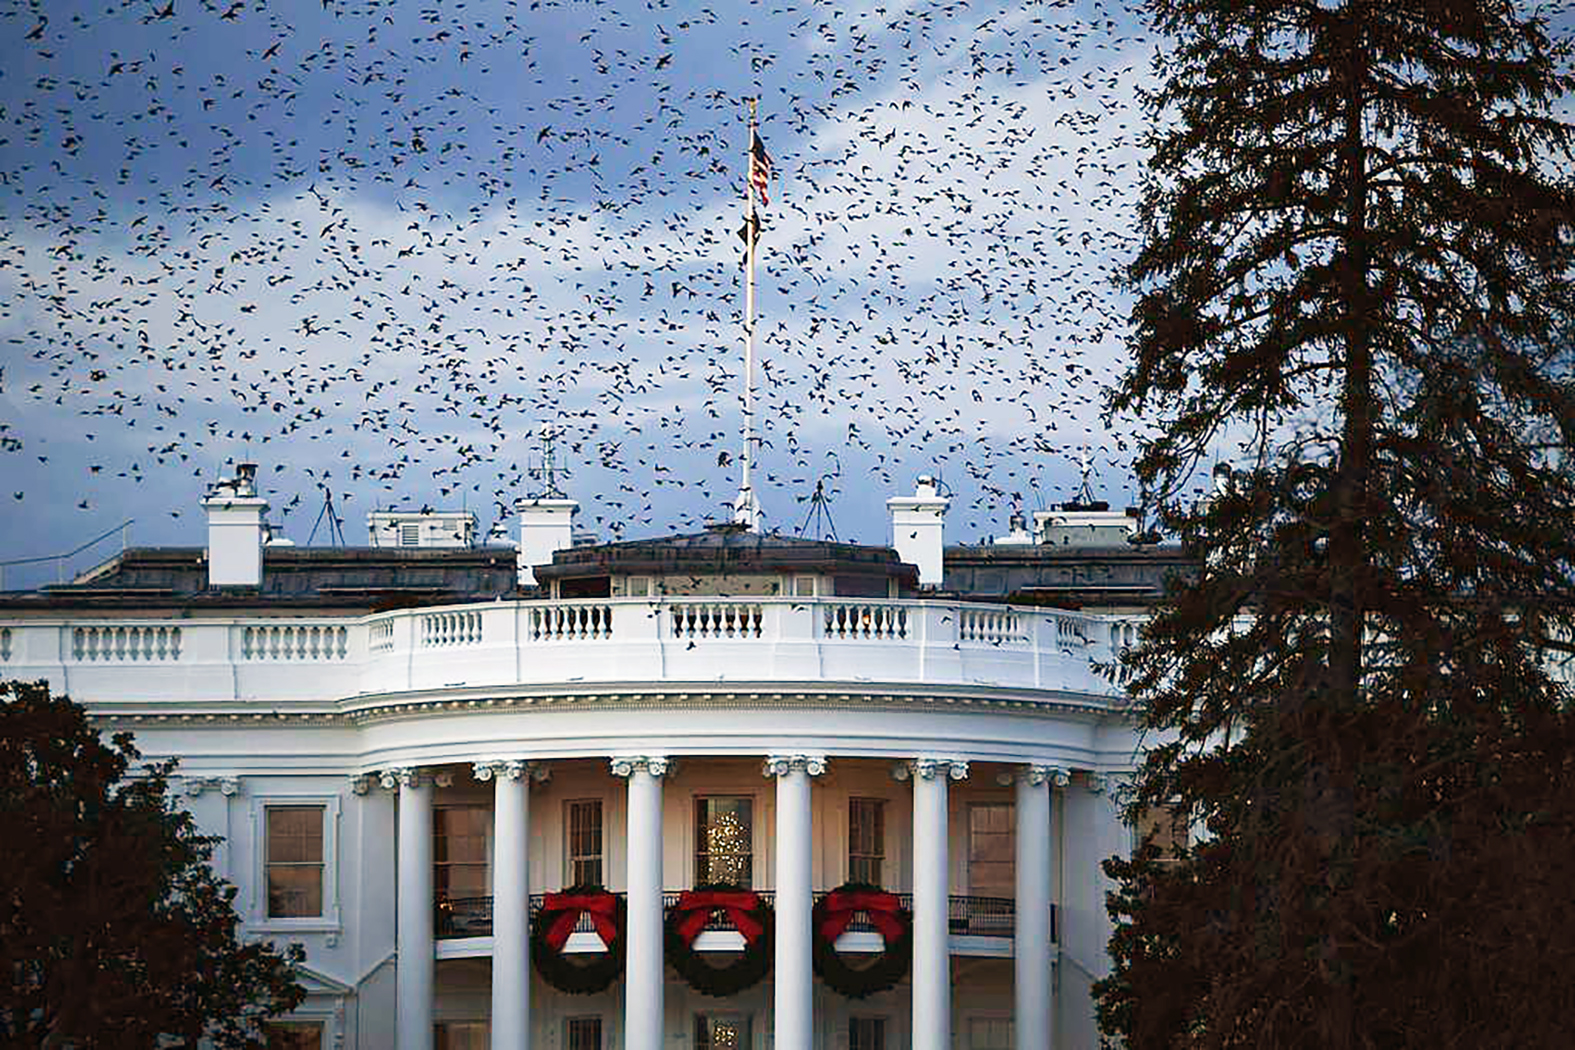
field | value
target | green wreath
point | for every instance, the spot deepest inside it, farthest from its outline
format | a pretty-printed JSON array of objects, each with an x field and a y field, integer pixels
[
  {"x": 832, "y": 915},
  {"x": 550, "y": 929},
  {"x": 751, "y": 916}
]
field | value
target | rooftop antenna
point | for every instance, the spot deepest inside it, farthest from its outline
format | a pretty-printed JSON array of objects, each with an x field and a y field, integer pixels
[
  {"x": 820, "y": 511},
  {"x": 1085, "y": 462},
  {"x": 336, "y": 530},
  {"x": 549, "y": 470}
]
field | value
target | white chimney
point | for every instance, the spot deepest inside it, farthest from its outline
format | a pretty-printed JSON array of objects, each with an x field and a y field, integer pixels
[
  {"x": 546, "y": 525},
  {"x": 236, "y": 532},
  {"x": 916, "y": 529}
]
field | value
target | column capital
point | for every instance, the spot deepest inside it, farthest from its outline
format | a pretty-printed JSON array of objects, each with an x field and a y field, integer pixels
[
  {"x": 1117, "y": 784},
  {"x": 401, "y": 776},
  {"x": 509, "y": 769},
  {"x": 229, "y": 787},
  {"x": 361, "y": 783},
  {"x": 1036, "y": 775},
  {"x": 782, "y": 765},
  {"x": 930, "y": 768},
  {"x": 627, "y": 765}
]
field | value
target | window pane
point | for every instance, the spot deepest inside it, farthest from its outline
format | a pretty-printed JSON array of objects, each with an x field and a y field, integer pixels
[
  {"x": 721, "y": 1033},
  {"x": 583, "y": 1033},
  {"x": 293, "y": 1035},
  {"x": 724, "y": 840},
  {"x": 584, "y": 819},
  {"x": 867, "y": 1033},
  {"x": 459, "y": 833},
  {"x": 295, "y": 833},
  {"x": 866, "y": 839},
  {"x": 991, "y": 850},
  {"x": 295, "y": 891}
]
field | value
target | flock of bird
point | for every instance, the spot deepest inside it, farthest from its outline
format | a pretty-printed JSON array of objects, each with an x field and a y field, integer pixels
[{"x": 375, "y": 245}]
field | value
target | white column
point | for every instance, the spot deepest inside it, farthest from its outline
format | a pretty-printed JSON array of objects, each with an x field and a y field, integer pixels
[
  {"x": 931, "y": 981},
  {"x": 1032, "y": 990},
  {"x": 793, "y": 974},
  {"x": 413, "y": 1014},
  {"x": 643, "y": 977},
  {"x": 510, "y": 903}
]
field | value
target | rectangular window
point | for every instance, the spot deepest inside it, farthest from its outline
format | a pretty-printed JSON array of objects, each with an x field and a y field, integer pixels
[
  {"x": 1167, "y": 830},
  {"x": 866, "y": 840},
  {"x": 583, "y": 1033},
  {"x": 866, "y": 1033},
  {"x": 991, "y": 850},
  {"x": 294, "y": 861},
  {"x": 724, "y": 841},
  {"x": 583, "y": 821},
  {"x": 461, "y": 1035},
  {"x": 459, "y": 851},
  {"x": 293, "y": 1035},
  {"x": 721, "y": 1032}
]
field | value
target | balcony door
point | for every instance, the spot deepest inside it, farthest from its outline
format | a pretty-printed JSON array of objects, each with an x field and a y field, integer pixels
[
  {"x": 992, "y": 849},
  {"x": 725, "y": 840}
]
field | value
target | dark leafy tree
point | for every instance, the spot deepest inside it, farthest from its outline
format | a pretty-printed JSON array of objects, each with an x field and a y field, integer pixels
[
  {"x": 113, "y": 928},
  {"x": 1355, "y": 279}
]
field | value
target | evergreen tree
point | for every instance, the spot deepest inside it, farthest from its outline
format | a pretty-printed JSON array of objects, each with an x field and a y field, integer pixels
[
  {"x": 114, "y": 931},
  {"x": 1355, "y": 277}
]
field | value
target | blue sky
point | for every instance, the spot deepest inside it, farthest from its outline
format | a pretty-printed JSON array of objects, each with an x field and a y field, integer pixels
[{"x": 374, "y": 246}]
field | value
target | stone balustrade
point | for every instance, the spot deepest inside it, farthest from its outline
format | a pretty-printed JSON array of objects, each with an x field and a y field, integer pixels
[{"x": 705, "y": 640}]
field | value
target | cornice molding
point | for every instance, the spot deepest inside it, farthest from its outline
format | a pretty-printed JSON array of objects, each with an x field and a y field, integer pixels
[{"x": 357, "y": 711}]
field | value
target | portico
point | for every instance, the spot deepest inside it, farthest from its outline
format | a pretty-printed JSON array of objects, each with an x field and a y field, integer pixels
[{"x": 937, "y": 793}]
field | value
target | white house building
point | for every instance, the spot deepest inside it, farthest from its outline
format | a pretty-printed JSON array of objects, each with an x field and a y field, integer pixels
[{"x": 411, "y": 750}]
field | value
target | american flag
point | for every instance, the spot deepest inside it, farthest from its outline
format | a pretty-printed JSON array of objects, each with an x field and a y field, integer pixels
[{"x": 759, "y": 166}]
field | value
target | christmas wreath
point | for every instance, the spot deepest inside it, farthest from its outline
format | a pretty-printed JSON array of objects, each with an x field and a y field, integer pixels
[
  {"x": 750, "y": 915},
  {"x": 831, "y": 917},
  {"x": 550, "y": 929}
]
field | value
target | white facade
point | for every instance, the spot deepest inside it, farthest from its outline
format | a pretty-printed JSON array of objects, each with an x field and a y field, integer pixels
[{"x": 948, "y": 717}]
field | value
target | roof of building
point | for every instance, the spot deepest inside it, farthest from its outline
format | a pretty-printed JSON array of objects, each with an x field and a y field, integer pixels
[
  {"x": 1068, "y": 576},
  {"x": 730, "y": 550},
  {"x": 365, "y": 579},
  {"x": 318, "y": 578}
]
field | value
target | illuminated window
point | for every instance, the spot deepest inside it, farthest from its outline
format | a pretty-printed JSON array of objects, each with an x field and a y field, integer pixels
[
  {"x": 459, "y": 851},
  {"x": 991, "y": 850},
  {"x": 866, "y": 840},
  {"x": 724, "y": 841},
  {"x": 295, "y": 861},
  {"x": 721, "y": 1032},
  {"x": 583, "y": 819}
]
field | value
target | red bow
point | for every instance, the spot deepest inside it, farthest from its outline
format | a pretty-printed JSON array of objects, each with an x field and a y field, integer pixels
[
  {"x": 601, "y": 907},
  {"x": 839, "y": 907},
  {"x": 697, "y": 907}
]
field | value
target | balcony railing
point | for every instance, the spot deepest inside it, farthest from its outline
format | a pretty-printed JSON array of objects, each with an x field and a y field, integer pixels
[
  {"x": 966, "y": 916},
  {"x": 128, "y": 662}
]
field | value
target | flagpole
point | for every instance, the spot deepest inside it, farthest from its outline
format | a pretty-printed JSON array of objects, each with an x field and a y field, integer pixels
[{"x": 746, "y": 510}]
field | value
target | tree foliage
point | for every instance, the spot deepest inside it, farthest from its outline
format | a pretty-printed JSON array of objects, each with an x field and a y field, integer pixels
[
  {"x": 1356, "y": 261},
  {"x": 114, "y": 929}
]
